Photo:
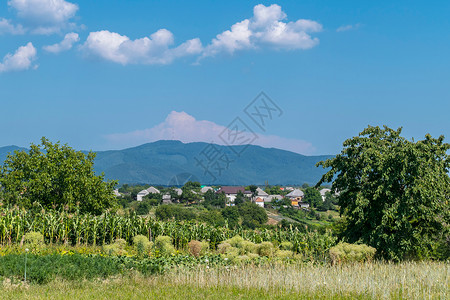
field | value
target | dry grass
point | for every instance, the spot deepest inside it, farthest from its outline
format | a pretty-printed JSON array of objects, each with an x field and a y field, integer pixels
[{"x": 421, "y": 280}]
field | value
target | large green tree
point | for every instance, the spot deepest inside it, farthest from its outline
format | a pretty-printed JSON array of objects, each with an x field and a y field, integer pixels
[
  {"x": 394, "y": 193},
  {"x": 313, "y": 197},
  {"x": 55, "y": 176}
]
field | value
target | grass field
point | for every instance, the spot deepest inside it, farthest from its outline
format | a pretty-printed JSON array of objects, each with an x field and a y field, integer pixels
[{"x": 421, "y": 280}]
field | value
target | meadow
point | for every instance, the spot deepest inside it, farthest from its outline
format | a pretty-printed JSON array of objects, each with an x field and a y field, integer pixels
[{"x": 407, "y": 280}]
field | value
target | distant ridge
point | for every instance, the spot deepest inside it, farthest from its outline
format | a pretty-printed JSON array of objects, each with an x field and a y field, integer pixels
[
  {"x": 173, "y": 162},
  {"x": 159, "y": 162}
]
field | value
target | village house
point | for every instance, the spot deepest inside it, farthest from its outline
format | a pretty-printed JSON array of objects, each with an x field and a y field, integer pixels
[
  {"x": 323, "y": 192},
  {"x": 296, "y": 196},
  {"x": 143, "y": 193},
  {"x": 259, "y": 201},
  {"x": 232, "y": 191}
]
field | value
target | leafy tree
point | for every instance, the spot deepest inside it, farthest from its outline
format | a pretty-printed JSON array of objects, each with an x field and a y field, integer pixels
[
  {"x": 213, "y": 199},
  {"x": 313, "y": 197},
  {"x": 253, "y": 188},
  {"x": 55, "y": 175},
  {"x": 193, "y": 185},
  {"x": 166, "y": 212},
  {"x": 394, "y": 192},
  {"x": 213, "y": 217},
  {"x": 252, "y": 215},
  {"x": 231, "y": 214},
  {"x": 328, "y": 203},
  {"x": 240, "y": 198}
]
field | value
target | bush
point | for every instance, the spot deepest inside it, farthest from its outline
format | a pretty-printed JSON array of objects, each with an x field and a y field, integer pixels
[
  {"x": 235, "y": 241},
  {"x": 247, "y": 247},
  {"x": 117, "y": 248},
  {"x": 265, "y": 249},
  {"x": 284, "y": 254},
  {"x": 167, "y": 212},
  {"x": 197, "y": 248},
  {"x": 286, "y": 246},
  {"x": 142, "y": 245},
  {"x": 33, "y": 240},
  {"x": 222, "y": 247},
  {"x": 351, "y": 253},
  {"x": 164, "y": 245}
]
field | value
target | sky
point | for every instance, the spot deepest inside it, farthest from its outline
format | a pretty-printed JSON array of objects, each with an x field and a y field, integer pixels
[{"x": 296, "y": 75}]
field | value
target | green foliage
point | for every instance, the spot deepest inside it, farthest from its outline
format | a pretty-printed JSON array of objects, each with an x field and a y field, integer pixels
[
  {"x": 164, "y": 245},
  {"x": 214, "y": 200},
  {"x": 117, "y": 248},
  {"x": 142, "y": 245},
  {"x": 286, "y": 246},
  {"x": 60, "y": 227},
  {"x": 223, "y": 247},
  {"x": 313, "y": 197},
  {"x": 235, "y": 241},
  {"x": 266, "y": 249},
  {"x": 55, "y": 176},
  {"x": 394, "y": 192},
  {"x": 252, "y": 215},
  {"x": 247, "y": 247},
  {"x": 351, "y": 253},
  {"x": 167, "y": 212},
  {"x": 253, "y": 188},
  {"x": 284, "y": 254},
  {"x": 33, "y": 240},
  {"x": 240, "y": 198},
  {"x": 191, "y": 192},
  {"x": 275, "y": 190},
  {"x": 212, "y": 217},
  {"x": 328, "y": 203},
  {"x": 231, "y": 215}
]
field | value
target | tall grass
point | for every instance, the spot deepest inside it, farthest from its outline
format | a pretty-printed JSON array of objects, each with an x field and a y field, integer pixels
[
  {"x": 76, "y": 229},
  {"x": 409, "y": 280}
]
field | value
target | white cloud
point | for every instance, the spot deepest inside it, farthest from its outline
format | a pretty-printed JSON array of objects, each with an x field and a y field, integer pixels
[
  {"x": 22, "y": 59},
  {"x": 184, "y": 127},
  {"x": 265, "y": 28},
  {"x": 64, "y": 45},
  {"x": 148, "y": 50},
  {"x": 45, "y": 16},
  {"x": 348, "y": 27},
  {"x": 7, "y": 27}
]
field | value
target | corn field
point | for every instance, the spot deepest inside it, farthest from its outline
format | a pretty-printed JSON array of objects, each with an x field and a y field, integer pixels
[{"x": 77, "y": 229}]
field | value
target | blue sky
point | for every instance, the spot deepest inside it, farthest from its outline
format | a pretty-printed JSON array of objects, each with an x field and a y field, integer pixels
[{"x": 130, "y": 72}]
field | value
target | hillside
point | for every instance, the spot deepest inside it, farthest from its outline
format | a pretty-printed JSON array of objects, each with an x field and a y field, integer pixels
[
  {"x": 159, "y": 162},
  {"x": 173, "y": 162}
]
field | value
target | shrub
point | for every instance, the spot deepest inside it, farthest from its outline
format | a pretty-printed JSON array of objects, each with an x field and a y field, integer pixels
[
  {"x": 222, "y": 247},
  {"x": 164, "y": 245},
  {"x": 232, "y": 252},
  {"x": 117, "y": 248},
  {"x": 33, "y": 239},
  {"x": 197, "y": 248},
  {"x": 265, "y": 249},
  {"x": 286, "y": 246},
  {"x": 235, "y": 241},
  {"x": 142, "y": 245},
  {"x": 351, "y": 253},
  {"x": 247, "y": 247}
]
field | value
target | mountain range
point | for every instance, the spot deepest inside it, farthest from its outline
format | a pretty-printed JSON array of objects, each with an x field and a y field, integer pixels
[{"x": 174, "y": 162}]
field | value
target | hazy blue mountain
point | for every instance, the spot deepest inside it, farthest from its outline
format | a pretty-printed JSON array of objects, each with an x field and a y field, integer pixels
[
  {"x": 172, "y": 162},
  {"x": 7, "y": 150}
]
